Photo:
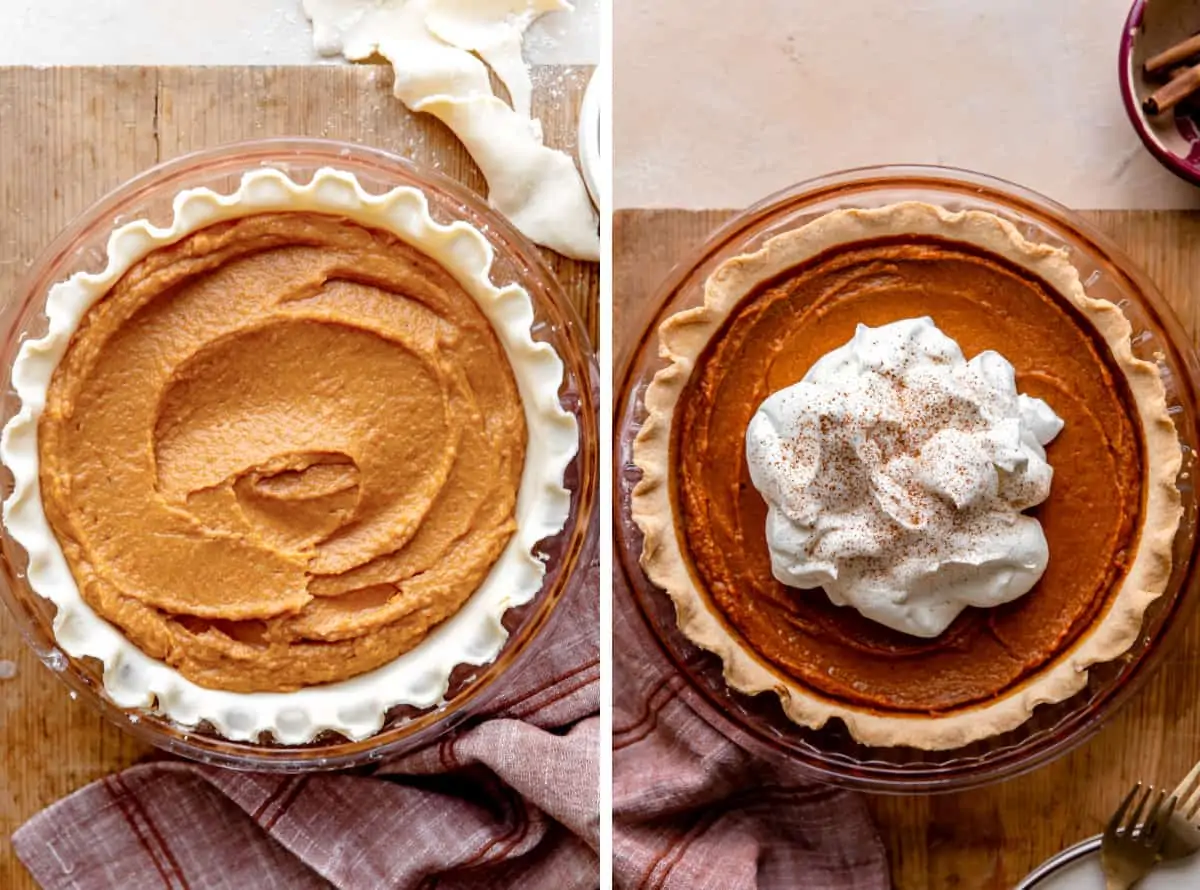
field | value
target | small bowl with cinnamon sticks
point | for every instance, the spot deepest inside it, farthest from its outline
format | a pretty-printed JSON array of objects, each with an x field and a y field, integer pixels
[{"x": 1159, "y": 69}]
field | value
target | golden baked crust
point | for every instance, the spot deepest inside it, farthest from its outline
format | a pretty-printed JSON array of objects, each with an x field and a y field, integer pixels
[{"x": 683, "y": 338}]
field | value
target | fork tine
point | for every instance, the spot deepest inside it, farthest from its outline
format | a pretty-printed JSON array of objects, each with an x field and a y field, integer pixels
[
  {"x": 1171, "y": 805},
  {"x": 1158, "y": 817},
  {"x": 1142, "y": 826},
  {"x": 1119, "y": 816},
  {"x": 1191, "y": 803},
  {"x": 1188, "y": 792},
  {"x": 1189, "y": 784},
  {"x": 1132, "y": 822}
]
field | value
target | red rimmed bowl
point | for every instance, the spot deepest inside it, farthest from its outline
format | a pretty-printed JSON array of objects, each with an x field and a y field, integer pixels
[{"x": 1153, "y": 26}]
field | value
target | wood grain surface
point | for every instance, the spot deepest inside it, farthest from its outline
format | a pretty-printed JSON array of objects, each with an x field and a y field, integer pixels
[
  {"x": 67, "y": 137},
  {"x": 989, "y": 839}
]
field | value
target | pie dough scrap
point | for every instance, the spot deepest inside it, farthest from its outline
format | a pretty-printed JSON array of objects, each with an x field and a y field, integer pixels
[
  {"x": 494, "y": 30},
  {"x": 435, "y": 47}
]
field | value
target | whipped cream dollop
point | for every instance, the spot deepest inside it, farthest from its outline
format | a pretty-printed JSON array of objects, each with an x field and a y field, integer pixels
[{"x": 896, "y": 473}]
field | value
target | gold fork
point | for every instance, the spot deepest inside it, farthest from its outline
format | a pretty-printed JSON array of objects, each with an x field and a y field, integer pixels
[
  {"x": 1132, "y": 846},
  {"x": 1183, "y": 832}
]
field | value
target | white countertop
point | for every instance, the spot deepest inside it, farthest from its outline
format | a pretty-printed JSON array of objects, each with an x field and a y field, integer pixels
[
  {"x": 220, "y": 32},
  {"x": 718, "y": 104}
]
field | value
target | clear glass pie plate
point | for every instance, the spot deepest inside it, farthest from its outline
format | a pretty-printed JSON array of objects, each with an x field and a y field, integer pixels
[
  {"x": 82, "y": 245},
  {"x": 831, "y": 753}
]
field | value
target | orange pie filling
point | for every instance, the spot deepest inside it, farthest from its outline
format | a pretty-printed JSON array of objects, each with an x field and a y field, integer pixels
[
  {"x": 281, "y": 451},
  {"x": 1091, "y": 520}
]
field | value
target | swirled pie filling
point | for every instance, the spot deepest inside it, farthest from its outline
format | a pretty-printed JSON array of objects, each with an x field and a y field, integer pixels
[{"x": 281, "y": 451}]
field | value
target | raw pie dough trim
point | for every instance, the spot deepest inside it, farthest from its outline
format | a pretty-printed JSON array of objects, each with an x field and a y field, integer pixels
[
  {"x": 420, "y": 677},
  {"x": 435, "y": 48},
  {"x": 684, "y": 336}
]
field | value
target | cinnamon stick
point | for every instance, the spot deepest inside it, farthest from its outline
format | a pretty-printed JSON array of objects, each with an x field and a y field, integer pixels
[
  {"x": 1167, "y": 97},
  {"x": 1173, "y": 56}
]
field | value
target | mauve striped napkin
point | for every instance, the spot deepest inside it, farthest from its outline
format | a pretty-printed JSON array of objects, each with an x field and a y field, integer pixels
[
  {"x": 511, "y": 801},
  {"x": 694, "y": 811}
]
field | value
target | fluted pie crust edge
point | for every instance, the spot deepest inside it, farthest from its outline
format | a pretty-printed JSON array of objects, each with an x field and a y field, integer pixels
[{"x": 683, "y": 338}]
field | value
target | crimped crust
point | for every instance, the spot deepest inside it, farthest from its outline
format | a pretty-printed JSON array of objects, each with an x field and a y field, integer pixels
[{"x": 683, "y": 338}]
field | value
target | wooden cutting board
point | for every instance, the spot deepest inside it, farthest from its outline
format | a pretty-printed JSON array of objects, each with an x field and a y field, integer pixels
[
  {"x": 70, "y": 135},
  {"x": 991, "y": 838}
]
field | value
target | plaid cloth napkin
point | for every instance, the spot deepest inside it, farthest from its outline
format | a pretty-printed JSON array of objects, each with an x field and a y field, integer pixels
[
  {"x": 510, "y": 801},
  {"x": 694, "y": 811}
]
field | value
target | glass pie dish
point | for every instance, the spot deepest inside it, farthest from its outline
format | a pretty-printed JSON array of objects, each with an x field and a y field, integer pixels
[
  {"x": 83, "y": 246},
  {"x": 831, "y": 753}
]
